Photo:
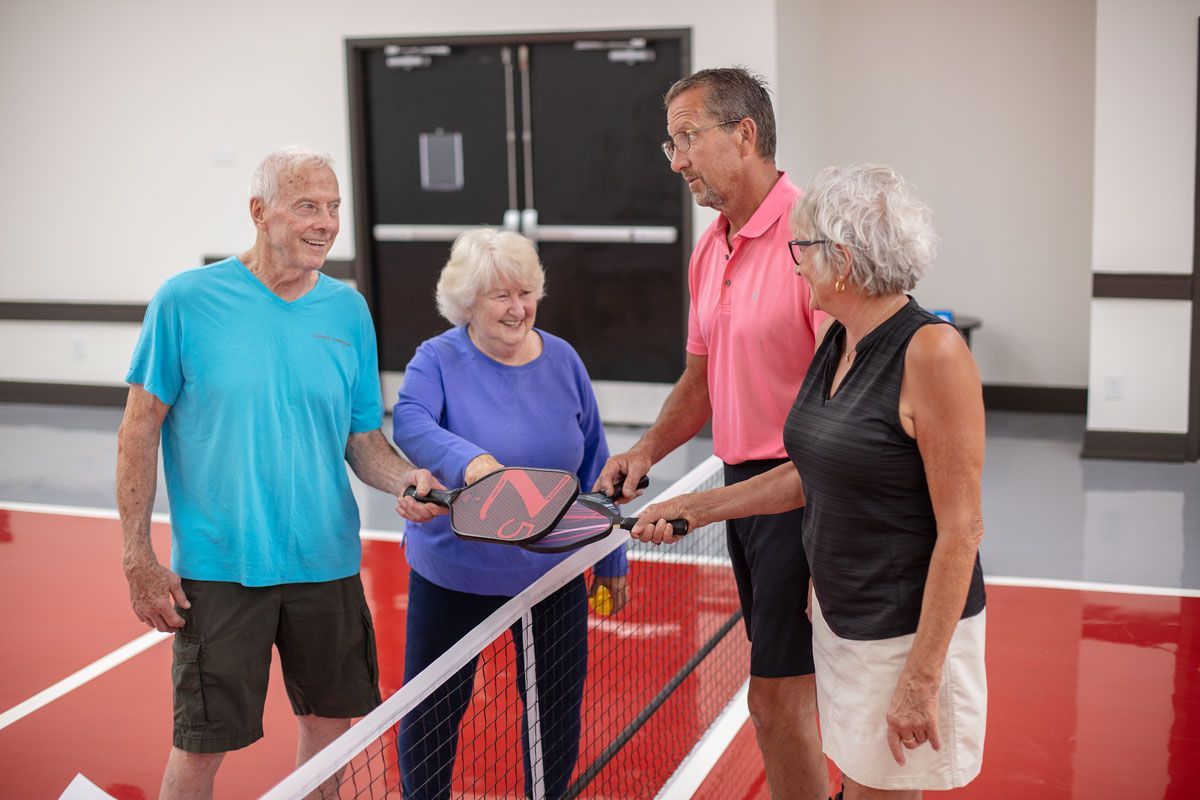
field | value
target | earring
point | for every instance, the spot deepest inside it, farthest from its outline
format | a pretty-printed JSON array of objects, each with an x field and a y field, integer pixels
[{"x": 839, "y": 286}]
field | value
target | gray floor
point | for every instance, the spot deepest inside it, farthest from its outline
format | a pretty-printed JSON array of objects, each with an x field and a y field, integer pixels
[{"x": 1048, "y": 513}]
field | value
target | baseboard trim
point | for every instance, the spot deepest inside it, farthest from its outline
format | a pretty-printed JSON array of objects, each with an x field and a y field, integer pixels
[
  {"x": 1135, "y": 446},
  {"x": 1047, "y": 399},
  {"x": 73, "y": 394}
]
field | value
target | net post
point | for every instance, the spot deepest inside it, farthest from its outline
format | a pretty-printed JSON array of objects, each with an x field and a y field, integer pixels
[{"x": 533, "y": 720}]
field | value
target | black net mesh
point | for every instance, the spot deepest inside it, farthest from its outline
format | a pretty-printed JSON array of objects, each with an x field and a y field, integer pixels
[{"x": 564, "y": 703}]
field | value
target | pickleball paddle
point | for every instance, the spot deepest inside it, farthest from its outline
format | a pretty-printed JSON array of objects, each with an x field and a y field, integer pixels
[{"x": 514, "y": 505}]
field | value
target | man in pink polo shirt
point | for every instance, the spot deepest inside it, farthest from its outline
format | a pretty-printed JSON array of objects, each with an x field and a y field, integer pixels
[{"x": 751, "y": 336}]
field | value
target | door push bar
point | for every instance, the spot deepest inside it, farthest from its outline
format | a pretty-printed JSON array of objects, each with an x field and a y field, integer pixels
[
  {"x": 526, "y": 222},
  {"x": 595, "y": 234},
  {"x": 431, "y": 233}
]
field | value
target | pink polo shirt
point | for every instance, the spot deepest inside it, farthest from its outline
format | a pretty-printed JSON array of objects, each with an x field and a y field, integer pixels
[{"x": 749, "y": 314}]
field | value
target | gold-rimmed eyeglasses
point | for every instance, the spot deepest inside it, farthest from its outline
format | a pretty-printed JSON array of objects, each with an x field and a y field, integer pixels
[{"x": 683, "y": 140}]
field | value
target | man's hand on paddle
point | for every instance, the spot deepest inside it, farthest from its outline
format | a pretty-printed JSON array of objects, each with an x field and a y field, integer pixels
[
  {"x": 633, "y": 465},
  {"x": 413, "y": 509}
]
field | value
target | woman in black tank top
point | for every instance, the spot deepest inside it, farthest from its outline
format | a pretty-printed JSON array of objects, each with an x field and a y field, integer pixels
[{"x": 886, "y": 440}]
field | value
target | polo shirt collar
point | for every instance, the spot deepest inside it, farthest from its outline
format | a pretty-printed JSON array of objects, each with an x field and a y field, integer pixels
[{"x": 777, "y": 203}]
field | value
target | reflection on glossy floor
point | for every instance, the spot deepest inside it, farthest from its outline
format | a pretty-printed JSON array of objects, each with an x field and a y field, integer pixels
[
  {"x": 1095, "y": 693},
  {"x": 115, "y": 728},
  {"x": 1092, "y": 695}
]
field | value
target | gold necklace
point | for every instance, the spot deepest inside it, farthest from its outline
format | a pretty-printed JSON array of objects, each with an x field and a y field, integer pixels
[{"x": 852, "y": 353}]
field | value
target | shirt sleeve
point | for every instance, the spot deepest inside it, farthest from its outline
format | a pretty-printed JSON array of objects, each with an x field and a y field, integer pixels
[
  {"x": 695, "y": 338},
  {"x": 416, "y": 421},
  {"x": 367, "y": 404},
  {"x": 595, "y": 453},
  {"x": 157, "y": 363}
]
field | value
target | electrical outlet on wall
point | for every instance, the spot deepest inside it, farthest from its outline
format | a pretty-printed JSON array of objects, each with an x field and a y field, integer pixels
[{"x": 1114, "y": 388}]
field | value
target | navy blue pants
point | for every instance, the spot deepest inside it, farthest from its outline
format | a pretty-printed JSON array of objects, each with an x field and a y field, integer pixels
[{"x": 437, "y": 619}]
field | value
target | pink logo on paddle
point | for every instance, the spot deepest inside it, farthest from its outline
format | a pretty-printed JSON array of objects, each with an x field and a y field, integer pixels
[{"x": 532, "y": 497}]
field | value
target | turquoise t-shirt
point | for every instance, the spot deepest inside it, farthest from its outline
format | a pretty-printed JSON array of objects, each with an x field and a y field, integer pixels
[{"x": 264, "y": 394}]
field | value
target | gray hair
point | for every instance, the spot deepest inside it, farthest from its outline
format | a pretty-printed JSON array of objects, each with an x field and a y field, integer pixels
[
  {"x": 872, "y": 211},
  {"x": 264, "y": 184},
  {"x": 481, "y": 259},
  {"x": 733, "y": 93}
]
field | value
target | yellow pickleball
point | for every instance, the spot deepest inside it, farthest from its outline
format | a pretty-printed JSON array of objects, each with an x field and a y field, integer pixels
[{"x": 600, "y": 601}]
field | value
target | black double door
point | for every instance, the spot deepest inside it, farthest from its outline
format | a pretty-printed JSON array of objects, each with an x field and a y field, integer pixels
[{"x": 554, "y": 136}]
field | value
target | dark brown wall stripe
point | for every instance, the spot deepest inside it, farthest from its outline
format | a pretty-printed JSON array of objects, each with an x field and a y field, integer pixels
[
  {"x": 72, "y": 312},
  {"x": 54, "y": 311},
  {"x": 995, "y": 398},
  {"x": 1142, "y": 285},
  {"x": 62, "y": 393}
]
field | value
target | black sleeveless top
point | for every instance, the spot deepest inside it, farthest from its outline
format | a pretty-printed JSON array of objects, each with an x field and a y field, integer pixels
[{"x": 869, "y": 527}]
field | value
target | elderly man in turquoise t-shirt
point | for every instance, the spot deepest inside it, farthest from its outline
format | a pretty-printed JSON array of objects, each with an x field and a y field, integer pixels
[{"x": 259, "y": 375}]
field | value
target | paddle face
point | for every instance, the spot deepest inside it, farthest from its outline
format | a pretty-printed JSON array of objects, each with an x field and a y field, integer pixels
[
  {"x": 589, "y": 518},
  {"x": 513, "y": 505}
]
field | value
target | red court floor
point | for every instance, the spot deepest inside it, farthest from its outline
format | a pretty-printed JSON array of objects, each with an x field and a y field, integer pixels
[{"x": 1092, "y": 694}]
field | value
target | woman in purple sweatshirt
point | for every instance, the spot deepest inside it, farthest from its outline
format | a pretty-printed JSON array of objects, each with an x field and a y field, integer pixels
[{"x": 491, "y": 391}]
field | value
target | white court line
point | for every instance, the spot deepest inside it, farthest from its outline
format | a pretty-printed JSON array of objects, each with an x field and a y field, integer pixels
[
  {"x": 129, "y": 650},
  {"x": 73, "y": 511},
  {"x": 72, "y": 682},
  {"x": 666, "y": 556},
  {"x": 694, "y": 768},
  {"x": 1089, "y": 586},
  {"x": 369, "y": 534}
]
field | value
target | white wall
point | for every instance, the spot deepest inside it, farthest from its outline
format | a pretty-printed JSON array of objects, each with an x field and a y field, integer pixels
[
  {"x": 1145, "y": 135},
  {"x": 1144, "y": 208},
  {"x": 114, "y": 111},
  {"x": 987, "y": 108},
  {"x": 1139, "y": 366}
]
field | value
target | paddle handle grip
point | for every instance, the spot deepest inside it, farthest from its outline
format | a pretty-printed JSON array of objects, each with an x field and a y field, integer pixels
[
  {"x": 439, "y": 497},
  {"x": 642, "y": 484},
  {"x": 678, "y": 526}
]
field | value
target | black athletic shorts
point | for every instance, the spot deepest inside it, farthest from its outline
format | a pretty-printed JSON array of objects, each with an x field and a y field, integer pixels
[
  {"x": 772, "y": 579},
  {"x": 222, "y": 657}
]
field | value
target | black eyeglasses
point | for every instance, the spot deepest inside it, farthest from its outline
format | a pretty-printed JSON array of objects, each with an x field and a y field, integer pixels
[
  {"x": 684, "y": 140},
  {"x": 795, "y": 244}
]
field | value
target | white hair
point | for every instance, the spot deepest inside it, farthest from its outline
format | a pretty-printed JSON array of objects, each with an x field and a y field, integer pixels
[
  {"x": 869, "y": 209},
  {"x": 482, "y": 259},
  {"x": 264, "y": 184}
]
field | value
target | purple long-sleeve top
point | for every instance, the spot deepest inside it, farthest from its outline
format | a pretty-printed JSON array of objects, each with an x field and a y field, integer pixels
[{"x": 457, "y": 404}]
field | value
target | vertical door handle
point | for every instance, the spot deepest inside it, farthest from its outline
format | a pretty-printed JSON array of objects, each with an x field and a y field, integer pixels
[{"x": 526, "y": 122}]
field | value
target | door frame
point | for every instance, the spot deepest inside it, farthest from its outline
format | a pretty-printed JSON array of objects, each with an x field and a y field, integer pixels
[{"x": 364, "y": 244}]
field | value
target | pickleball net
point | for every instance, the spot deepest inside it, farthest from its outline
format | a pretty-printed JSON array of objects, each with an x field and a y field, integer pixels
[{"x": 653, "y": 678}]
